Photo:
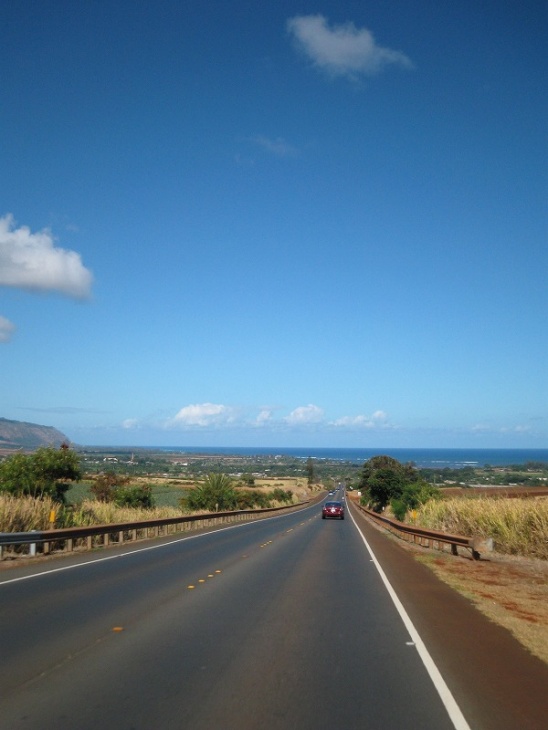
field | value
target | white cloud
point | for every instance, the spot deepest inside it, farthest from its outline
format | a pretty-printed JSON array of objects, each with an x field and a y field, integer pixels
[
  {"x": 378, "y": 419},
  {"x": 342, "y": 50},
  {"x": 203, "y": 414},
  {"x": 32, "y": 261},
  {"x": 278, "y": 146},
  {"x": 130, "y": 423},
  {"x": 7, "y": 328},
  {"x": 486, "y": 428},
  {"x": 305, "y": 415},
  {"x": 264, "y": 417}
]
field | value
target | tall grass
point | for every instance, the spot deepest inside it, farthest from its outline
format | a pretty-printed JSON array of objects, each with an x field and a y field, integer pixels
[
  {"x": 22, "y": 514},
  {"x": 91, "y": 512},
  {"x": 517, "y": 526}
]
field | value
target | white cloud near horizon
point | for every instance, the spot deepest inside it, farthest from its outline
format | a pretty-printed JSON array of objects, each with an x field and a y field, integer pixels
[
  {"x": 264, "y": 417},
  {"x": 378, "y": 419},
  {"x": 130, "y": 423},
  {"x": 203, "y": 414},
  {"x": 485, "y": 428},
  {"x": 7, "y": 329},
  {"x": 32, "y": 261},
  {"x": 342, "y": 50},
  {"x": 305, "y": 415}
]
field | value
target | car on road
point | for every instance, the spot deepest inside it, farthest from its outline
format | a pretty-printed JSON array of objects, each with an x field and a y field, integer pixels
[{"x": 333, "y": 511}]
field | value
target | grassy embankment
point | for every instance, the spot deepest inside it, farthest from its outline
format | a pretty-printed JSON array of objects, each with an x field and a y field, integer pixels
[
  {"x": 517, "y": 526},
  {"x": 22, "y": 514}
]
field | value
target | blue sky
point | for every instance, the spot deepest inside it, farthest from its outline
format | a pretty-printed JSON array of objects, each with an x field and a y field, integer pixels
[{"x": 239, "y": 223}]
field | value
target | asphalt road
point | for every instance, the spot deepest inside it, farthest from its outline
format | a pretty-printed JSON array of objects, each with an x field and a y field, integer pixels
[{"x": 280, "y": 623}]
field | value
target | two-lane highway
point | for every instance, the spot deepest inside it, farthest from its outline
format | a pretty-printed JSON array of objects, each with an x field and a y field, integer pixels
[{"x": 279, "y": 623}]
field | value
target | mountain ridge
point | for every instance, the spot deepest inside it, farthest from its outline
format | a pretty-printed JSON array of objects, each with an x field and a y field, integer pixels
[{"x": 23, "y": 435}]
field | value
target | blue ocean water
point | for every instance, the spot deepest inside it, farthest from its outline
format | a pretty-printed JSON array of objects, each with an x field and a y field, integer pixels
[{"x": 426, "y": 458}]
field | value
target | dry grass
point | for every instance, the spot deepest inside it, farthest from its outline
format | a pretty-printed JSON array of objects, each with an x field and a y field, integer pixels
[
  {"x": 517, "y": 526},
  {"x": 91, "y": 512},
  {"x": 23, "y": 514},
  {"x": 511, "y": 591}
]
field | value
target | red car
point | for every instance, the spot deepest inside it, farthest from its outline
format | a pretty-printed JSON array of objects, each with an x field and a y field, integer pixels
[{"x": 333, "y": 510}]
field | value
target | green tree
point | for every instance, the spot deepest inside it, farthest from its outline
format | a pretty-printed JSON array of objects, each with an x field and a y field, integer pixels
[
  {"x": 383, "y": 479},
  {"x": 138, "y": 496},
  {"x": 412, "y": 496},
  {"x": 106, "y": 485},
  {"x": 216, "y": 493},
  {"x": 48, "y": 471}
]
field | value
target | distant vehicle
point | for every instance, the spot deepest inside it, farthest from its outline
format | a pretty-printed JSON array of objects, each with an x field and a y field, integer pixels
[{"x": 333, "y": 511}]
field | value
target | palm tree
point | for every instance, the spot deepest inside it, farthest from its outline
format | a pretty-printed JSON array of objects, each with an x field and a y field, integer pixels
[{"x": 216, "y": 493}]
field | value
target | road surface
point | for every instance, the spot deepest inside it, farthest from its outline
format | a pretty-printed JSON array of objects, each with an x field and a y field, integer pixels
[{"x": 280, "y": 623}]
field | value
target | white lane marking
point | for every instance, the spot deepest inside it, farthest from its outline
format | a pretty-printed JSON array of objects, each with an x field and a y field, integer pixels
[
  {"x": 133, "y": 552},
  {"x": 450, "y": 704}
]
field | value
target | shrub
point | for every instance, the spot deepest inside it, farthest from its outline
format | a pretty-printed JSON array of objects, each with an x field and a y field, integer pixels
[
  {"x": 106, "y": 485},
  {"x": 385, "y": 481},
  {"x": 47, "y": 472},
  {"x": 140, "y": 496},
  {"x": 285, "y": 496},
  {"x": 216, "y": 493}
]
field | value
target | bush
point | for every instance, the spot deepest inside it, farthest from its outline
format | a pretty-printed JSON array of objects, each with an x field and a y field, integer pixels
[
  {"x": 105, "y": 486},
  {"x": 216, "y": 493},
  {"x": 134, "y": 497},
  {"x": 47, "y": 472},
  {"x": 285, "y": 496},
  {"x": 246, "y": 500}
]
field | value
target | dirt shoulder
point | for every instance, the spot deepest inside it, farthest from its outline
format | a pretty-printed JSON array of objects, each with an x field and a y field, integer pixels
[
  {"x": 498, "y": 682},
  {"x": 511, "y": 591}
]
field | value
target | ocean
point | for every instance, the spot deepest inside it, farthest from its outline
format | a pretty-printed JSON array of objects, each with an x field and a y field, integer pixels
[{"x": 425, "y": 458}]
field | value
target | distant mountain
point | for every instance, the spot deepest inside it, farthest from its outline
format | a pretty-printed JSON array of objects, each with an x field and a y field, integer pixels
[{"x": 18, "y": 434}]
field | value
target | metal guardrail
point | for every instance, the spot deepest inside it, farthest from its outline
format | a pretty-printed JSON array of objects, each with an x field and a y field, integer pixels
[
  {"x": 121, "y": 532},
  {"x": 476, "y": 545}
]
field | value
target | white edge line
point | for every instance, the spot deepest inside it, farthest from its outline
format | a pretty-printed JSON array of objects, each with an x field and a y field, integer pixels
[
  {"x": 133, "y": 552},
  {"x": 450, "y": 704}
]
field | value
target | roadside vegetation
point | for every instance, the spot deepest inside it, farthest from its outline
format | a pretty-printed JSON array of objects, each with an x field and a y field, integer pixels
[
  {"x": 218, "y": 493},
  {"x": 48, "y": 472},
  {"x": 386, "y": 483},
  {"x": 517, "y": 526},
  {"x": 82, "y": 488},
  {"x": 49, "y": 489}
]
